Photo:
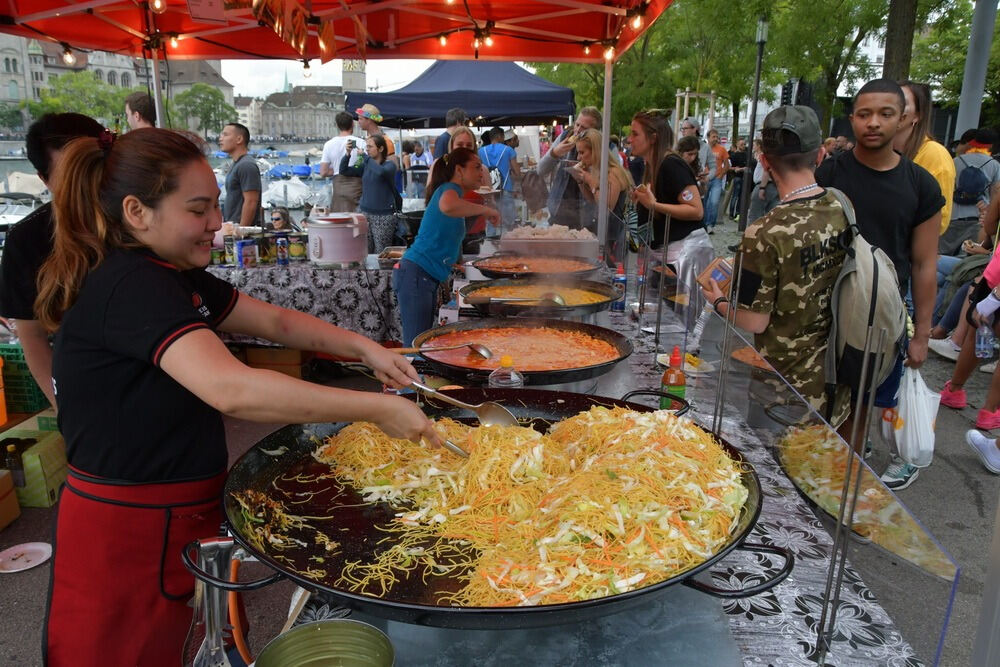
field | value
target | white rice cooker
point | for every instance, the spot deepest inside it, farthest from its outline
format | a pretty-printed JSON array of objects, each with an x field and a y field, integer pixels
[{"x": 338, "y": 239}]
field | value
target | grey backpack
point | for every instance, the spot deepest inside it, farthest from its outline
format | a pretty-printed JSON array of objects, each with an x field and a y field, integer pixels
[{"x": 866, "y": 293}]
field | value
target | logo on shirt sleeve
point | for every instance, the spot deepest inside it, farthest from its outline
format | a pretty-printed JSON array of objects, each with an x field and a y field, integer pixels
[{"x": 199, "y": 305}]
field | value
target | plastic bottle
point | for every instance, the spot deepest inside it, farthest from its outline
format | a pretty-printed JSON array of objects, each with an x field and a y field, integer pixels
[
  {"x": 506, "y": 376},
  {"x": 984, "y": 342},
  {"x": 673, "y": 381},
  {"x": 15, "y": 466},
  {"x": 620, "y": 279}
]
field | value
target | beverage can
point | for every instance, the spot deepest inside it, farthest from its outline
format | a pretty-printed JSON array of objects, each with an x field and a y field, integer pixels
[
  {"x": 297, "y": 248},
  {"x": 228, "y": 250},
  {"x": 281, "y": 250}
]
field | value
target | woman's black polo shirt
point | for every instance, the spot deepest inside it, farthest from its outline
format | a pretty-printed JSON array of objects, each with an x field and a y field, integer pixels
[{"x": 122, "y": 416}]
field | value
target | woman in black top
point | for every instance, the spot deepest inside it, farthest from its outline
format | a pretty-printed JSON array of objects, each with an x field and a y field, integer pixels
[
  {"x": 669, "y": 188},
  {"x": 142, "y": 380}
]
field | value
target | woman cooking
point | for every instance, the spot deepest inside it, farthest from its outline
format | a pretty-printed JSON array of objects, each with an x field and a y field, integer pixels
[
  {"x": 142, "y": 379},
  {"x": 438, "y": 245},
  {"x": 378, "y": 190}
]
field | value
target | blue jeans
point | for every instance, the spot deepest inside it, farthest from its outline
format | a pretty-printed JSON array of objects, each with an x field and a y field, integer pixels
[
  {"x": 945, "y": 265},
  {"x": 711, "y": 201},
  {"x": 416, "y": 293}
]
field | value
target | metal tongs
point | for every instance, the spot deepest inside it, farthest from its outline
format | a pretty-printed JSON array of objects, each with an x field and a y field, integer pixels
[
  {"x": 489, "y": 412},
  {"x": 210, "y": 606}
]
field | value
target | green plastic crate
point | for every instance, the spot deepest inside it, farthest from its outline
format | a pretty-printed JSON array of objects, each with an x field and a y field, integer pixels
[{"x": 20, "y": 389}]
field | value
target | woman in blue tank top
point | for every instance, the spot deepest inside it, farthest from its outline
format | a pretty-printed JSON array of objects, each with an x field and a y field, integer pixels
[{"x": 438, "y": 245}]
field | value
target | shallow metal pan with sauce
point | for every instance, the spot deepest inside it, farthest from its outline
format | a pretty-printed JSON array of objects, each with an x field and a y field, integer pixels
[
  {"x": 483, "y": 265},
  {"x": 610, "y": 293}
]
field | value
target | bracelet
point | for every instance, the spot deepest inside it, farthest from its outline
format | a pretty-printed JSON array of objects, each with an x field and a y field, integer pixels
[{"x": 715, "y": 304}]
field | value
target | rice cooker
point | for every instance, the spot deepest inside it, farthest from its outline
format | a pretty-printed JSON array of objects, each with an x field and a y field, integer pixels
[{"x": 338, "y": 239}]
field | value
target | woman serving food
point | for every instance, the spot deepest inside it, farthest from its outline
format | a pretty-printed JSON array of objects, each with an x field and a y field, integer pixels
[{"x": 142, "y": 380}]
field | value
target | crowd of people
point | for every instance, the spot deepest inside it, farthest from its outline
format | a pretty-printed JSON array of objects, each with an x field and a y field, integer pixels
[{"x": 113, "y": 270}]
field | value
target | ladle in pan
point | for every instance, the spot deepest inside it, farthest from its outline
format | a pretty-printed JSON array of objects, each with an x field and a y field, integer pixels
[
  {"x": 546, "y": 299},
  {"x": 481, "y": 350},
  {"x": 489, "y": 413}
]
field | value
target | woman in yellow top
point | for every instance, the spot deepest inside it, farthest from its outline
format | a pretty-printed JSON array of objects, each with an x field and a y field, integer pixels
[{"x": 914, "y": 141}]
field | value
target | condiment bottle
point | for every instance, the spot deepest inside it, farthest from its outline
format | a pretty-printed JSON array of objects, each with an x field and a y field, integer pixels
[
  {"x": 15, "y": 465},
  {"x": 506, "y": 376},
  {"x": 620, "y": 280},
  {"x": 673, "y": 381}
]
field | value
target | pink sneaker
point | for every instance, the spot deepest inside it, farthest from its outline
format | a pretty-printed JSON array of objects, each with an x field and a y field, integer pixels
[
  {"x": 988, "y": 420},
  {"x": 953, "y": 398}
]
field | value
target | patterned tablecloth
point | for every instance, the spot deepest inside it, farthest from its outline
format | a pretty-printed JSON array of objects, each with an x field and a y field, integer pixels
[{"x": 360, "y": 300}]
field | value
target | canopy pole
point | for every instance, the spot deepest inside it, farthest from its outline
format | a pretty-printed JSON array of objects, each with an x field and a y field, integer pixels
[
  {"x": 161, "y": 118},
  {"x": 602, "y": 194},
  {"x": 970, "y": 102}
]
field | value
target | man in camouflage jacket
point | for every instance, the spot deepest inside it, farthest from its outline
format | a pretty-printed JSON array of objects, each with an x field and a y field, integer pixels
[{"x": 791, "y": 258}]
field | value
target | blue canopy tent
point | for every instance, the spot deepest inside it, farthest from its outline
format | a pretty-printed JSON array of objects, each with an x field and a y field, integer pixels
[{"x": 491, "y": 92}]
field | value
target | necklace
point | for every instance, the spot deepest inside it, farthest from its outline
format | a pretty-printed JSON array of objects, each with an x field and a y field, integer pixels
[{"x": 798, "y": 191}]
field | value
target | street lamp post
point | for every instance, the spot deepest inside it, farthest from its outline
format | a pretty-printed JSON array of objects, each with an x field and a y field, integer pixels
[{"x": 748, "y": 179}]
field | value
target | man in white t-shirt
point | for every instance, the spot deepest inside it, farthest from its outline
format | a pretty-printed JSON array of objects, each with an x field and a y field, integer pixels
[{"x": 346, "y": 189}]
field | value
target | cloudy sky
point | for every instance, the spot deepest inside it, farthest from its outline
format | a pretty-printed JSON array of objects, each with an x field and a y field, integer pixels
[{"x": 258, "y": 78}]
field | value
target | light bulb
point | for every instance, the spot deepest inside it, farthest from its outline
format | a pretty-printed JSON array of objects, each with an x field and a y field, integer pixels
[
  {"x": 158, "y": 6},
  {"x": 68, "y": 56},
  {"x": 476, "y": 43},
  {"x": 609, "y": 53},
  {"x": 637, "y": 21},
  {"x": 586, "y": 49},
  {"x": 173, "y": 41},
  {"x": 489, "y": 40},
  {"x": 306, "y": 72},
  {"x": 443, "y": 39}
]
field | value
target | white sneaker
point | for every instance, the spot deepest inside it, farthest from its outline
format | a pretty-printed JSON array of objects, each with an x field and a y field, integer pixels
[
  {"x": 945, "y": 347},
  {"x": 987, "y": 450},
  {"x": 989, "y": 368}
]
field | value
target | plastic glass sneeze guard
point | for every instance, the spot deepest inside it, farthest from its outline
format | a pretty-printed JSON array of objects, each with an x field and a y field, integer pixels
[{"x": 802, "y": 462}]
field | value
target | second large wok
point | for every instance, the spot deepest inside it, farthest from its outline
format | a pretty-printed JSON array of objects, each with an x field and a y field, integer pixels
[
  {"x": 272, "y": 465},
  {"x": 464, "y": 374}
]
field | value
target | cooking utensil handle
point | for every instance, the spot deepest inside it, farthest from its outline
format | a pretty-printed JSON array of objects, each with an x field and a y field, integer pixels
[
  {"x": 404, "y": 350},
  {"x": 225, "y": 585},
  {"x": 685, "y": 406},
  {"x": 732, "y": 593},
  {"x": 455, "y": 449},
  {"x": 444, "y": 397}
]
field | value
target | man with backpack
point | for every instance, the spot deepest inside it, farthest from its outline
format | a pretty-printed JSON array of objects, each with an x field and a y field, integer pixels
[
  {"x": 977, "y": 179},
  {"x": 792, "y": 257},
  {"x": 501, "y": 162},
  {"x": 898, "y": 205}
]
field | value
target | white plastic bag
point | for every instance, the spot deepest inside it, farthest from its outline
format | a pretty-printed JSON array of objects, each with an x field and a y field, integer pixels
[{"x": 911, "y": 426}]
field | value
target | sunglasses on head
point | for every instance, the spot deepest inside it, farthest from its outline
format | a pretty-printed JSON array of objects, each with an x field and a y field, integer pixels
[{"x": 663, "y": 113}]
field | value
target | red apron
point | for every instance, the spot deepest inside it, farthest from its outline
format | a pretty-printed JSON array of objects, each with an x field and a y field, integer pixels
[{"x": 119, "y": 592}]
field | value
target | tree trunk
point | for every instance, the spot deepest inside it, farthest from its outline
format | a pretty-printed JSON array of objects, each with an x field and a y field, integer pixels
[
  {"x": 899, "y": 39},
  {"x": 734, "y": 133}
]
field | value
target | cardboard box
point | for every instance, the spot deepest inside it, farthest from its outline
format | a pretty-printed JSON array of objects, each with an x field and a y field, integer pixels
[
  {"x": 44, "y": 466},
  {"x": 280, "y": 359},
  {"x": 43, "y": 421},
  {"x": 10, "y": 509}
]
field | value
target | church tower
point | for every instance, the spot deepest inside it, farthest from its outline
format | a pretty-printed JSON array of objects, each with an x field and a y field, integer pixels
[{"x": 353, "y": 76}]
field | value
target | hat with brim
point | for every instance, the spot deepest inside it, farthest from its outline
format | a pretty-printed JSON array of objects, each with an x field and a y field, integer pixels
[
  {"x": 790, "y": 129},
  {"x": 369, "y": 111}
]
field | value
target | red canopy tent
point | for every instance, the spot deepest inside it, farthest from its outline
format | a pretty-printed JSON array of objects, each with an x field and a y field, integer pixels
[{"x": 546, "y": 30}]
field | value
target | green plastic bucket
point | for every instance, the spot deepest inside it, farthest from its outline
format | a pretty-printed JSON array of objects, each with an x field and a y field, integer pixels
[{"x": 330, "y": 643}]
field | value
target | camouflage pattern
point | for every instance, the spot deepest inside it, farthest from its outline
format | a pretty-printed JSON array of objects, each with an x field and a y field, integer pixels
[{"x": 791, "y": 258}]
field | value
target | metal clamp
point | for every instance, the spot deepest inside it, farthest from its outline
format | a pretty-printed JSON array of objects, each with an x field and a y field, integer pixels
[
  {"x": 735, "y": 593},
  {"x": 225, "y": 585},
  {"x": 685, "y": 406}
]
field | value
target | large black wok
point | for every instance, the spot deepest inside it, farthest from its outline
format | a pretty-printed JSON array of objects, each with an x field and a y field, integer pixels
[
  {"x": 288, "y": 452},
  {"x": 479, "y": 376},
  {"x": 483, "y": 265},
  {"x": 609, "y": 292}
]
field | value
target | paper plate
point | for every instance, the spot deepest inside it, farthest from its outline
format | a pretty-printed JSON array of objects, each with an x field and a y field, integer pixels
[
  {"x": 24, "y": 556},
  {"x": 704, "y": 368}
]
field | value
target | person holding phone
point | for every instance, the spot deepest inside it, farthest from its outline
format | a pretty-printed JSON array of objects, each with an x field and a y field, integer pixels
[{"x": 378, "y": 190}]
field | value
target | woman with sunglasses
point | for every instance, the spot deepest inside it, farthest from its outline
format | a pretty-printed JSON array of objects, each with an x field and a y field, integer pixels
[
  {"x": 669, "y": 188},
  {"x": 281, "y": 221}
]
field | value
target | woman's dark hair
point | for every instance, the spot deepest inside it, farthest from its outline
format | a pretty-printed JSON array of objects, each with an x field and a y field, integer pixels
[
  {"x": 687, "y": 144},
  {"x": 91, "y": 180},
  {"x": 654, "y": 123},
  {"x": 925, "y": 110},
  {"x": 444, "y": 168},
  {"x": 383, "y": 148}
]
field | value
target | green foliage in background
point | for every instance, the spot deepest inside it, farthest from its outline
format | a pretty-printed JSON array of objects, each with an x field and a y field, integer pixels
[
  {"x": 81, "y": 92},
  {"x": 206, "y": 105}
]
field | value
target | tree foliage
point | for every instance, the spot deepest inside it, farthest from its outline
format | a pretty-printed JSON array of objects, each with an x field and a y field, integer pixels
[
  {"x": 10, "y": 117},
  {"x": 939, "y": 55},
  {"x": 80, "y": 92},
  {"x": 206, "y": 105}
]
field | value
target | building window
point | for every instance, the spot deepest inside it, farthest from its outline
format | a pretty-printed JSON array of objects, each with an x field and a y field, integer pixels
[
  {"x": 12, "y": 92},
  {"x": 38, "y": 76},
  {"x": 99, "y": 74},
  {"x": 6, "y": 64},
  {"x": 13, "y": 64},
  {"x": 126, "y": 80},
  {"x": 38, "y": 93},
  {"x": 53, "y": 77},
  {"x": 112, "y": 78}
]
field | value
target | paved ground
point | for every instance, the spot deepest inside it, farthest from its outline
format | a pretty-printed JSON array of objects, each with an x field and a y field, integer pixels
[{"x": 955, "y": 499}]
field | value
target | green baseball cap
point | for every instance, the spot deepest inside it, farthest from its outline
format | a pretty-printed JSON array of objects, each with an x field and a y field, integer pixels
[{"x": 802, "y": 124}]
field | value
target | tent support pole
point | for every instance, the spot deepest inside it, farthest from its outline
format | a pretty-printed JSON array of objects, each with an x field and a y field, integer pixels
[
  {"x": 161, "y": 118},
  {"x": 602, "y": 197}
]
